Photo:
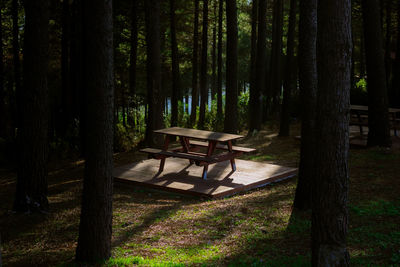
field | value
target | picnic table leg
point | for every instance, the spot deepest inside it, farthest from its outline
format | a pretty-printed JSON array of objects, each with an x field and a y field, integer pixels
[
  {"x": 204, "y": 176},
  {"x": 162, "y": 162},
  {"x": 360, "y": 121},
  {"x": 185, "y": 146},
  {"x": 233, "y": 164},
  {"x": 210, "y": 150}
]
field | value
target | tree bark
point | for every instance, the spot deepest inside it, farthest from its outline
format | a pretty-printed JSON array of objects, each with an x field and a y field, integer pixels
[
  {"x": 195, "y": 65},
  {"x": 175, "y": 67},
  {"x": 255, "y": 95},
  {"x": 32, "y": 139},
  {"x": 331, "y": 179},
  {"x": 3, "y": 131},
  {"x": 290, "y": 72},
  {"x": 378, "y": 116},
  {"x": 388, "y": 41},
  {"x": 133, "y": 59},
  {"x": 396, "y": 65},
  {"x": 231, "y": 110},
  {"x": 154, "y": 93},
  {"x": 95, "y": 229},
  {"x": 66, "y": 103},
  {"x": 76, "y": 70},
  {"x": 203, "y": 67},
  {"x": 261, "y": 53},
  {"x": 276, "y": 58},
  {"x": 219, "y": 58},
  {"x": 16, "y": 62},
  {"x": 214, "y": 53},
  {"x": 308, "y": 96}
]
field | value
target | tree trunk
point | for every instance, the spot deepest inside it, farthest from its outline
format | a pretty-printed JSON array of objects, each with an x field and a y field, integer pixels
[
  {"x": 213, "y": 54},
  {"x": 195, "y": 65},
  {"x": 396, "y": 65},
  {"x": 133, "y": 59},
  {"x": 388, "y": 41},
  {"x": 276, "y": 59},
  {"x": 155, "y": 97},
  {"x": 65, "y": 71},
  {"x": 290, "y": 72},
  {"x": 219, "y": 59},
  {"x": 231, "y": 110},
  {"x": 330, "y": 191},
  {"x": 255, "y": 96},
  {"x": 16, "y": 62},
  {"x": 3, "y": 131},
  {"x": 175, "y": 67},
  {"x": 203, "y": 67},
  {"x": 362, "y": 57},
  {"x": 378, "y": 116},
  {"x": 78, "y": 92},
  {"x": 308, "y": 96},
  {"x": 261, "y": 53},
  {"x": 95, "y": 229},
  {"x": 31, "y": 191}
]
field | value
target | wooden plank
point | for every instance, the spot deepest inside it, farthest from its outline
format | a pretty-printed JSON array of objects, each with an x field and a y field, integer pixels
[
  {"x": 222, "y": 146},
  {"x": 176, "y": 154},
  {"x": 179, "y": 176},
  {"x": 365, "y": 108},
  {"x": 199, "y": 134}
]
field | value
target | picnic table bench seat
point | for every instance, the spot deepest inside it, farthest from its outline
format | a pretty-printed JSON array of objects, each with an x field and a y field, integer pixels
[{"x": 195, "y": 143}]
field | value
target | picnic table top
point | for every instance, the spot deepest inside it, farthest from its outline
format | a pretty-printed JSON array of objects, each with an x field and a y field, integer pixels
[
  {"x": 199, "y": 134},
  {"x": 365, "y": 108}
]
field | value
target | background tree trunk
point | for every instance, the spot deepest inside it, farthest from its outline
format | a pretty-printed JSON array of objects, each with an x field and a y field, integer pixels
[
  {"x": 133, "y": 59},
  {"x": 203, "y": 67},
  {"x": 66, "y": 104},
  {"x": 195, "y": 65},
  {"x": 388, "y": 42},
  {"x": 231, "y": 109},
  {"x": 254, "y": 101},
  {"x": 95, "y": 229},
  {"x": 290, "y": 72},
  {"x": 396, "y": 65},
  {"x": 155, "y": 98},
  {"x": 276, "y": 58},
  {"x": 31, "y": 191},
  {"x": 378, "y": 116},
  {"x": 175, "y": 67},
  {"x": 330, "y": 191},
  {"x": 16, "y": 62},
  {"x": 3, "y": 131},
  {"x": 261, "y": 47},
  {"x": 308, "y": 96},
  {"x": 219, "y": 58},
  {"x": 213, "y": 53}
]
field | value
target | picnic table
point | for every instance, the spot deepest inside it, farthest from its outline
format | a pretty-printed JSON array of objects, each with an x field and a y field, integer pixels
[
  {"x": 359, "y": 117},
  {"x": 191, "y": 141}
]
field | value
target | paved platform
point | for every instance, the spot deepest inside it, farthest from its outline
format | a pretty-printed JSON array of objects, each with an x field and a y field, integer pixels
[{"x": 181, "y": 177}]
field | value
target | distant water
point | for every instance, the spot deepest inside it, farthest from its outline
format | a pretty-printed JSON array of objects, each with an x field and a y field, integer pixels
[{"x": 190, "y": 102}]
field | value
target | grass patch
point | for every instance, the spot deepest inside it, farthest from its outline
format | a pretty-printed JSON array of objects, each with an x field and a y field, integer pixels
[{"x": 255, "y": 228}]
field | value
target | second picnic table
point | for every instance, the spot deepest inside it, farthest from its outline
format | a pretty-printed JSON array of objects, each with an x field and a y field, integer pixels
[{"x": 189, "y": 140}]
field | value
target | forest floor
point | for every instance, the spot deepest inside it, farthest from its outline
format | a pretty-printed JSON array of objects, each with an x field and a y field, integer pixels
[{"x": 255, "y": 228}]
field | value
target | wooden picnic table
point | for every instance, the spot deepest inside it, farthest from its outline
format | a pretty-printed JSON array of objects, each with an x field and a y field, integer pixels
[
  {"x": 360, "y": 114},
  {"x": 191, "y": 140}
]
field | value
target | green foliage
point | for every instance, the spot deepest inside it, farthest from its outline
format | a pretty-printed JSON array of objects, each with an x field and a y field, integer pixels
[
  {"x": 362, "y": 85},
  {"x": 243, "y": 109},
  {"x": 125, "y": 138}
]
